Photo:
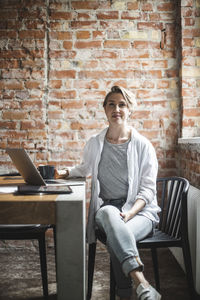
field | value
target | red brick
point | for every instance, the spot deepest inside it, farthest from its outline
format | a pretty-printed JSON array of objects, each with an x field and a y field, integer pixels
[
  {"x": 90, "y": 44},
  {"x": 132, "y": 5},
  {"x": 195, "y": 32},
  {"x": 60, "y": 35},
  {"x": 14, "y": 115},
  {"x": 82, "y": 35},
  {"x": 152, "y": 134},
  {"x": 62, "y": 54},
  {"x": 146, "y": 45},
  {"x": 191, "y": 112},
  {"x": 37, "y": 134},
  {"x": 58, "y": 114},
  {"x": 189, "y": 21},
  {"x": 99, "y": 54},
  {"x": 33, "y": 84},
  {"x": 8, "y": 125},
  {"x": 89, "y": 125},
  {"x": 83, "y": 16},
  {"x": 147, "y": 7},
  {"x": 86, "y": 84},
  {"x": 32, "y": 104},
  {"x": 8, "y": 34},
  {"x": 31, "y": 34},
  {"x": 34, "y": 24},
  {"x": 144, "y": 114},
  {"x": 188, "y": 42},
  {"x": 165, "y": 7},
  {"x": 98, "y": 34},
  {"x": 8, "y": 14},
  {"x": 163, "y": 84},
  {"x": 67, "y": 45},
  {"x": 63, "y": 94},
  {"x": 188, "y": 123},
  {"x": 154, "y": 17},
  {"x": 31, "y": 124},
  {"x": 66, "y": 104},
  {"x": 108, "y": 15},
  {"x": 150, "y": 25},
  {"x": 58, "y": 15},
  {"x": 83, "y": 24},
  {"x": 9, "y": 64},
  {"x": 63, "y": 74},
  {"x": 117, "y": 44},
  {"x": 84, "y": 4},
  {"x": 11, "y": 85}
]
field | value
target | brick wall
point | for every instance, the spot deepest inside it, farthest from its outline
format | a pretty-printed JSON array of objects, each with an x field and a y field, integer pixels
[
  {"x": 59, "y": 58},
  {"x": 190, "y": 163},
  {"x": 189, "y": 154},
  {"x": 190, "y": 21}
]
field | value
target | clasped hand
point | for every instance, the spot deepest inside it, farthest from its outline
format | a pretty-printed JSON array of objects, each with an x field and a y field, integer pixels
[{"x": 126, "y": 216}]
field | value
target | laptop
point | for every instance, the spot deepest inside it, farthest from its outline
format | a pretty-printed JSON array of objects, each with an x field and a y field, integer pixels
[{"x": 31, "y": 175}]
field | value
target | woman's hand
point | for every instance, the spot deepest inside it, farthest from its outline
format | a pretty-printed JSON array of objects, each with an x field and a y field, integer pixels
[
  {"x": 61, "y": 174},
  {"x": 137, "y": 207},
  {"x": 126, "y": 216}
]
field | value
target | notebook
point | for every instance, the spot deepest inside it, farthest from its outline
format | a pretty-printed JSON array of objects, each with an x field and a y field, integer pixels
[{"x": 31, "y": 175}]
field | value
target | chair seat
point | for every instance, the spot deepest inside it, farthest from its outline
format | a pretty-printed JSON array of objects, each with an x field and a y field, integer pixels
[{"x": 159, "y": 239}]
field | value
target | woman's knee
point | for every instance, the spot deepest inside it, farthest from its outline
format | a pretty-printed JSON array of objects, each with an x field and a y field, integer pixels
[{"x": 105, "y": 214}]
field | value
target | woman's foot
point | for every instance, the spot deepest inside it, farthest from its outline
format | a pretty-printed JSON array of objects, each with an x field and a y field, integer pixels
[{"x": 147, "y": 293}]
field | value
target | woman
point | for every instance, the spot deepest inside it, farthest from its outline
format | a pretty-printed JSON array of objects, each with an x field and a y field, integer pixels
[{"x": 123, "y": 203}]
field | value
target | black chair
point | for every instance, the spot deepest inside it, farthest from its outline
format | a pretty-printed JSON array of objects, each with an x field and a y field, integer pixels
[
  {"x": 30, "y": 232},
  {"x": 172, "y": 231}
]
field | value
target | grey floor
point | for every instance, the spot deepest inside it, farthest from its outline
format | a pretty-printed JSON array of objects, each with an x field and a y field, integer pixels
[{"x": 20, "y": 274}]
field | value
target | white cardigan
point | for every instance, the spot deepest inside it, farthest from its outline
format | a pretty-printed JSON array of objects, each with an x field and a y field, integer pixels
[{"x": 142, "y": 174}]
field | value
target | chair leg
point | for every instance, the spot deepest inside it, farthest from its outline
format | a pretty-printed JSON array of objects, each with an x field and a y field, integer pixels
[
  {"x": 112, "y": 283},
  {"x": 91, "y": 262},
  {"x": 155, "y": 267},
  {"x": 43, "y": 264},
  {"x": 189, "y": 273}
]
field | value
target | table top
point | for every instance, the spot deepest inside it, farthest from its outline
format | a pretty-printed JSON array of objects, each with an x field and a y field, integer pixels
[{"x": 32, "y": 209}]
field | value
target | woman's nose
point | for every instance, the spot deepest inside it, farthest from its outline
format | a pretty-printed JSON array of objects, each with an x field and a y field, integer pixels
[{"x": 117, "y": 108}]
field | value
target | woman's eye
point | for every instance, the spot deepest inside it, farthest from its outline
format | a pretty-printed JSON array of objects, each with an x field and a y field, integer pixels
[{"x": 122, "y": 104}]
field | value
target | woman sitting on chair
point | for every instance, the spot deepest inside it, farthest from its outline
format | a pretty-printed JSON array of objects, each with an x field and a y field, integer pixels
[{"x": 123, "y": 205}]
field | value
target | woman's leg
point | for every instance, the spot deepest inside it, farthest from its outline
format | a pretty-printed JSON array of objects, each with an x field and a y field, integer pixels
[{"x": 121, "y": 242}]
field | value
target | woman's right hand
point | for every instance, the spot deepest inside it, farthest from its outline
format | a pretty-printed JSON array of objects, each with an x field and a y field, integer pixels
[{"x": 61, "y": 174}]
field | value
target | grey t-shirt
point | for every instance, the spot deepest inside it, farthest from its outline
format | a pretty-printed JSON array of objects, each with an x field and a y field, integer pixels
[{"x": 113, "y": 171}]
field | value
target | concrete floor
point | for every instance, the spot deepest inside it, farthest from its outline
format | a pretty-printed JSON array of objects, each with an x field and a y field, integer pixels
[{"x": 20, "y": 274}]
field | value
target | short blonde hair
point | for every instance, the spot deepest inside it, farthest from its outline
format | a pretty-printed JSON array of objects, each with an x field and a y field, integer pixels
[{"x": 129, "y": 97}]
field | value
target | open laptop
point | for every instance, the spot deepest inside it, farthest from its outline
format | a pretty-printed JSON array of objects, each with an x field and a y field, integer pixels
[{"x": 32, "y": 176}]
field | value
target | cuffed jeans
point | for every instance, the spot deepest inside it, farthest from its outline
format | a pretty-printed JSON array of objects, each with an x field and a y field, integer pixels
[{"x": 121, "y": 244}]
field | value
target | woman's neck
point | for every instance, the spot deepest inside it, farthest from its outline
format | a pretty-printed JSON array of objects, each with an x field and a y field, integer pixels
[{"x": 118, "y": 135}]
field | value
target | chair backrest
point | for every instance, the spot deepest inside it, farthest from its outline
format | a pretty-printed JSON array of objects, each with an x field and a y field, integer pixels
[{"x": 171, "y": 192}]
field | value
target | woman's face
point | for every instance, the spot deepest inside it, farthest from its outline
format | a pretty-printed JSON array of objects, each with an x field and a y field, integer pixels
[{"x": 116, "y": 109}]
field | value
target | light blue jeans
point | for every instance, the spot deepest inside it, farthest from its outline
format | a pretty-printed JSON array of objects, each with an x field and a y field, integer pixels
[{"x": 121, "y": 244}]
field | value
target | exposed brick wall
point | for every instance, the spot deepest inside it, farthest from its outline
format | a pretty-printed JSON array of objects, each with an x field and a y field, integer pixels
[
  {"x": 191, "y": 67},
  {"x": 190, "y": 163},
  {"x": 59, "y": 58}
]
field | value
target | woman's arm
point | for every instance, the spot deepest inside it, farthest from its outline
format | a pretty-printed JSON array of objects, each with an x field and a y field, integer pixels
[{"x": 137, "y": 207}]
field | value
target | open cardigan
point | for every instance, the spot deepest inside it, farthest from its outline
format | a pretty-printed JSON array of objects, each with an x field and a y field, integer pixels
[{"x": 142, "y": 174}]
